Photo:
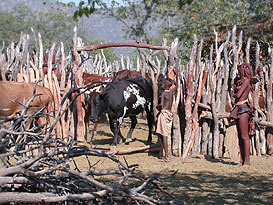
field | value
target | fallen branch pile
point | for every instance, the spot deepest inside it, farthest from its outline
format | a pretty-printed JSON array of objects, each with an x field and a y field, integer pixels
[{"x": 38, "y": 167}]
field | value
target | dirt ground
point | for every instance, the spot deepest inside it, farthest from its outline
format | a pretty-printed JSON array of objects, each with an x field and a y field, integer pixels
[{"x": 197, "y": 181}]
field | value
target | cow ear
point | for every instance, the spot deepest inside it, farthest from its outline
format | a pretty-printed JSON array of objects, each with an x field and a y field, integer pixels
[{"x": 103, "y": 96}]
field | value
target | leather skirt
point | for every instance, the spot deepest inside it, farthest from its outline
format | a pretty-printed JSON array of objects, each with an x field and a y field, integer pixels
[
  {"x": 243, "y": 109},
  {"x": 240, "y": 109}
]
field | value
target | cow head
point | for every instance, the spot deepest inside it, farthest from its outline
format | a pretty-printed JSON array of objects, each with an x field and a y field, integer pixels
[{"x": 98, "y": 105}]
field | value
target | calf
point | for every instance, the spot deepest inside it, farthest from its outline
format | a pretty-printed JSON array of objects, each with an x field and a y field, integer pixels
[{"x": 122, "y": 99}]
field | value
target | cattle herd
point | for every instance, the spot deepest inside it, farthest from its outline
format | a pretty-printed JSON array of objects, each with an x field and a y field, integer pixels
[{"x": 126, "y": 94}]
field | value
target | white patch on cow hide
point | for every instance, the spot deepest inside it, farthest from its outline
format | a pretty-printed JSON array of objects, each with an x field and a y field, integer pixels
[
  {"x": 132, "y": 89},
  {"x": 120, "y": 119},
  {"x": 4, "y": 109},
  {"x": 97, "y": 88},
  {"x": 149, "y": 105}
]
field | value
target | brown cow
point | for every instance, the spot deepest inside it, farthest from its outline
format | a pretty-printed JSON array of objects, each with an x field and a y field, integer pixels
[
  {"x": 14, "y": 93},
  {"x": 90, "y": 78},
  {"x": 127, "y": 74}
]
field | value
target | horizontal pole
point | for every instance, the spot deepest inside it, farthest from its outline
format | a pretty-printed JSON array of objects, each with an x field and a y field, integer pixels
[{"x": 108, "y": 45}]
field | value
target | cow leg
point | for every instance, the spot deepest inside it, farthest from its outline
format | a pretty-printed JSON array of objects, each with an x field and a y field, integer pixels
[
  {"x": 113, "y": 129},
  {"x": 150, "y": 120},
  {"x": 111, "y": 123},
  {"x": 133, "y": 125},
  {"x": 117, "y": 134},
  {"x": 93, "y": 133}
]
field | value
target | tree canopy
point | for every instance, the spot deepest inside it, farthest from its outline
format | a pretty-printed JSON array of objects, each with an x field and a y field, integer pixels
[
  {"x": 54, "y": 25},
  {"x": 183, "y": 18}
]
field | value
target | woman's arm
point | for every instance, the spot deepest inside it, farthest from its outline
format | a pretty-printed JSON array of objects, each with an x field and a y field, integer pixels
[
  {"x": 242, "y": 88},
  {"x": 160, "y": 106}
]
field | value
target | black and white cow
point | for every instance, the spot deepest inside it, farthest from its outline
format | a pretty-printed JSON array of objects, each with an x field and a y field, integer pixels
[{"x": 122, "y": 99}]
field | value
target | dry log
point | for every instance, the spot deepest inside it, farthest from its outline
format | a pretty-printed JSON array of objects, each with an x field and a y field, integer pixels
[
  {"x": 16, "y": 197},
  {"x": 147, "y": 148}
]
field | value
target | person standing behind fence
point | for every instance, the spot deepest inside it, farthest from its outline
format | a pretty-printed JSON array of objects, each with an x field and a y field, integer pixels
[
  {"x": 243, "y": 111},
  {"x": 165, "y": 116}
]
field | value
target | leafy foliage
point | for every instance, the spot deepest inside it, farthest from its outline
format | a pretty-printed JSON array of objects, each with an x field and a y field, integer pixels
[
  {"x": 84, "y": 9},
  {"x": 204, "y": 16},
  {"x": 183, "y": 18},
  {"x": 54, "y": 26}
]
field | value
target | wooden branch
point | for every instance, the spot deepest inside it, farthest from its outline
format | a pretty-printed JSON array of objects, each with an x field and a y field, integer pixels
[
  {"x": 213, "y": 109},
  {"x": 176, "y": 138},
  {"x": 188, "y": 104},
  {"x": 22, "y": 197},
  {"x": 147, "y": 148},
  {"x": 172, "y": 55},
  {"x": 165, "y": 52},
  {"x": 199, "y": 56},
  {"x": 221, "y": 115},
  {"x": 147, "y": 59},
  {"x": 107, "y": 45},
  {"x": 41, "y": 56},
  {"x": 195, "y": 123},
  {"x": 247, "y": 50},
  {"x": 223, "y": 97},
  {"x": 63, "y": 77}
]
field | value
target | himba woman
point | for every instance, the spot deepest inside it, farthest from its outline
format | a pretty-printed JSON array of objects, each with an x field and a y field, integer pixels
[{"x": 243, "y": 110}]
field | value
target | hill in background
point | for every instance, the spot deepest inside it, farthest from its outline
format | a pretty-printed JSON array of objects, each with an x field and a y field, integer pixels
[{"x": 96, "y": 27}]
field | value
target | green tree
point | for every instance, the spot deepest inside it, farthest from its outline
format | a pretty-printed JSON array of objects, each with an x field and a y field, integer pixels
[
  {"x": 135, "y": 15},
  {"x": 204, "y": 16},
  {"x": 183, "y": 18},
  {"x": 54, "y": 26},
  {"x": 12, "y": 24}
]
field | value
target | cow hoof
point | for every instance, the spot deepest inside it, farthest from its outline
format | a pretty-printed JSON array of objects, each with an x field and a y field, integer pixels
[
  {"x": 113, "y": 145},
  {"x": 127, "y": 141},
  {"x": 148, "y": 143},
  {"x": 270, "y": 150}
]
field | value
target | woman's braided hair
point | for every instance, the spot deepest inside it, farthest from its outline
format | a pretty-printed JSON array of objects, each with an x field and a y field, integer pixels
[{"x": 246, "y": 70}]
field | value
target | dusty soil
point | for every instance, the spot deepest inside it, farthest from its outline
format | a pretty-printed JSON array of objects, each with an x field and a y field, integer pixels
[{"x": 197, "y": 181}]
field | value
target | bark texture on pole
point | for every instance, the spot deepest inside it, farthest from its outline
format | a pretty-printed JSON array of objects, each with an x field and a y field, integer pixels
[{"x": 188, "y": 104}]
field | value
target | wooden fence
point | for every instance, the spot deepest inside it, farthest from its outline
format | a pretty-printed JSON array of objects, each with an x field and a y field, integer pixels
[{"x": 203, "y": 101}]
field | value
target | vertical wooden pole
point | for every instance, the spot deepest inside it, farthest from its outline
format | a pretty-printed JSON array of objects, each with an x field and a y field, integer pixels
[
  {"x": 270, "y": 105},
  {"x": 188, "y": 104},
  {"x": 78, "y": 82}
]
